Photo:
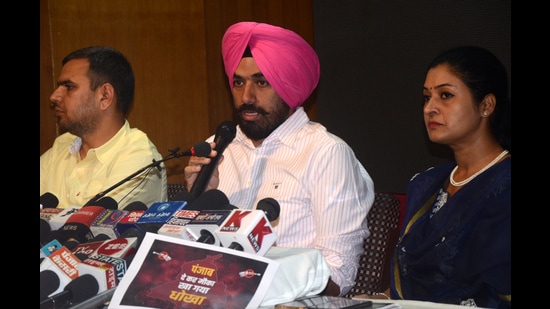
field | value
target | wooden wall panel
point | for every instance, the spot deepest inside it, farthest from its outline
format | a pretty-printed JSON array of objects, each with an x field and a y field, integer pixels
[{"x": 175, "y": 49}]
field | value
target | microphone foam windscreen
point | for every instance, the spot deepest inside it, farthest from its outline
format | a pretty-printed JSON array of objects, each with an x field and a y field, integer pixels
[
  {"x": 48, "y": 200},
  {"x": 106, "y": 202},
  {"x": 270, "y": 207},
  {"x": 45, "y": 231},
  {"x": 136, "y": 205},
  {"x": 73, "y": 231},
  {"x": 49, "y": 282},
  {"x": 82, "y": 288},
  {"x": 183, "y": 196},
  {"x": 202, "y": 149},
  {"x": 213, "y": 199}
]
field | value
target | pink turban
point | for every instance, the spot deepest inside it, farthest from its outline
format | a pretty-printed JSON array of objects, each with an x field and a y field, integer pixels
[{"x": 286, "y": 60}]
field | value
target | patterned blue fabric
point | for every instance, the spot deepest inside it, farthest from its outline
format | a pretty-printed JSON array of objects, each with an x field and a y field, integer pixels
[{"x": 462, "y": 254}]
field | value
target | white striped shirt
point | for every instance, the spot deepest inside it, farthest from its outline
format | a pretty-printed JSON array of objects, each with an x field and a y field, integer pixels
[{"x": 324, "y": 192}]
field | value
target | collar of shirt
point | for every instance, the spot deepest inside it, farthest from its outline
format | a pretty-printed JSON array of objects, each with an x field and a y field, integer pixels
[{"x": 102, "y": 152}]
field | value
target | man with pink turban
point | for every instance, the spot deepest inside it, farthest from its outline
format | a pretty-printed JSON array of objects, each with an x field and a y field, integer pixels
[{"x": 323, "y": 190}]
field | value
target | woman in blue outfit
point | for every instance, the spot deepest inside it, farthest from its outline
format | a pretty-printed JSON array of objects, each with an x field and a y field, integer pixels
[{"x": 455, "y": 243}]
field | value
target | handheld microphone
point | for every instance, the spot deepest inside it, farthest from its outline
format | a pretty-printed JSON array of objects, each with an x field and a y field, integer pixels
[
  {"x": 201, "y": 149},
  {"x": 225, "y": 133},
  {"x": 78, "y": 290},
  {"x": 48, "y": 200}
]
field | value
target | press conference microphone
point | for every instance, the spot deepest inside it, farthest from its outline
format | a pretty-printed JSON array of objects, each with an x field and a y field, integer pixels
[
  {"x": 200, "y": 149},
  {"x": 214, "y": 208},
  {"x": 136, "y": 205},
  {"x": 78, "y": 225},
  {"x": 45, "y": 231},
  {"x": 183, "y": 196},
  {"x": 270, "y": 207},
  {"x": 98, "y": 301},
  {"x": 106, "y": 202},
  {"x": 207, "y": 222},
  {"x": 49, "y": 282},
  {"x": 48, "y": 200},
  {"x": 64, "y": 264},
  {"x": 211, "y": 199},
  {"x": 76, "y": 291},
  {"x": 225, "y": 133},
  {"x": 250, "y": 230}
]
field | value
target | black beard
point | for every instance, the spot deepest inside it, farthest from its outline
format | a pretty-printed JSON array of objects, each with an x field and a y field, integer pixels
[{"x": 260, "y": 129}]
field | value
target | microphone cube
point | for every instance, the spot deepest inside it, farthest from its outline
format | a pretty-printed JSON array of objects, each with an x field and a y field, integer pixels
[
  {"x": 64, "y": 263},
  {"x": 58, "y": 220},
  {"x": 176, "y": 226},
  {"x": 107, "y": 270},
  {"x": 250, "y": 229},
  {"x": 48, "y": 213},
  {"x": 129, "y": 221},
  {"x": 158, "y": 214},
  {"x": 106, "y": 222}
]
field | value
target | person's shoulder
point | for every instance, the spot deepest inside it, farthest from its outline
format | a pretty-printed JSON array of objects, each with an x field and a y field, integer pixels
[
  {"x": 65, "y": 139},
  {"x": 321, "y": 134},
  {"x": 136, "y": 134},
  {"x": 433, "y": 170}
]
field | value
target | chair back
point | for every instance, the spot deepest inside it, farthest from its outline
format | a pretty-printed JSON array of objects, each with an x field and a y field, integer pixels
[
  {"x": 174, "y": 189},
  {"x": 373, "y": 275}
]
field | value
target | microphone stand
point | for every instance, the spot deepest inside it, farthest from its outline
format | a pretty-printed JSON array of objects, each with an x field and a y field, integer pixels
[{"x": 173, "y": 154}]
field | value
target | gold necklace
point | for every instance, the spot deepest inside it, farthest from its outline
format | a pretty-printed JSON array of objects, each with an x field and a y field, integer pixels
[{"x": 467, "y": 180}]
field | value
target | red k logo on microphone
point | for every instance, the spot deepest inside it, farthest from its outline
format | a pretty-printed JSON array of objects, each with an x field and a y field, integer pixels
[{"x": 254, "y": 223}]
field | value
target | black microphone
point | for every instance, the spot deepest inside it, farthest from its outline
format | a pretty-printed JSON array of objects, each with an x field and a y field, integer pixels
[
  {"x": 225, "y": 133},
  {"x": 136, "y": 205},
  {"x": 270, "y": 207},
  {"x": 49, "y": 282},
  {"x": 78, "y": 225},
  {"x": 106, "y": 202},
  {"x": 183, "y": 196},
  {"x": 250, "y": 230},
  {"x": 45, "y": 231},
  {"x": 214, "y": 208},
  {"x": 76, "y": 291},
  {"x": 48, "y": 200},
  {"x": 211, "y": 199},
  {"x": 201, "y": 149}
]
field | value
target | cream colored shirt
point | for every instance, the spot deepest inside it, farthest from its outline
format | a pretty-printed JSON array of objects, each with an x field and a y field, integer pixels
[
  {"x": 74, "y": 181},
  {"x": 324, "y": 191}
]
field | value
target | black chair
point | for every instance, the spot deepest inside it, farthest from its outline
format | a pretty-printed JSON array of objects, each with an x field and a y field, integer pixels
[
  {"x": 174, "y": 189},
  {"x": 373, "y": 275}
]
